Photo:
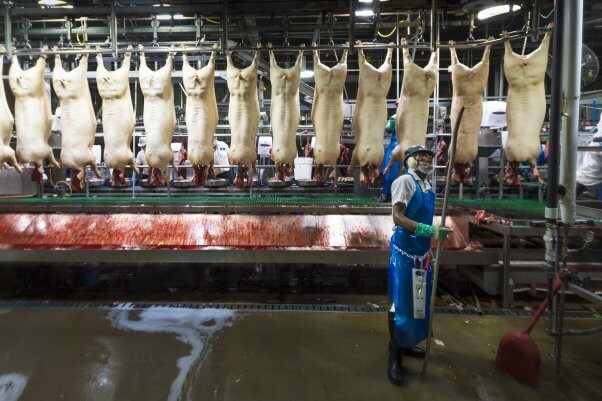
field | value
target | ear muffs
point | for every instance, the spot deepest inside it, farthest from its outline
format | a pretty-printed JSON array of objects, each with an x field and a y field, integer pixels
[{"x": 412, "y": 162}]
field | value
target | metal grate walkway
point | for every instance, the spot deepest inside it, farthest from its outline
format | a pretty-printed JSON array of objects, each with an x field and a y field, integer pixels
[{"x": 260, "y": 307}]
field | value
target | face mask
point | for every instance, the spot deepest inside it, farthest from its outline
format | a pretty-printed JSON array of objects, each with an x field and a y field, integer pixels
[{"x": 426, "y": 168}]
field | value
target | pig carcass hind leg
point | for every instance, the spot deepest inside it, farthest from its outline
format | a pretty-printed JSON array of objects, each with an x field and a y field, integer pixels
[
  {"x": 280, "y": 171},
  {"x": 76, "y": 180},
  {"x": 200, "y": 175},
  {"x": 241, "y": 176},
  {"x": 319, "y": 174},
  {"x": 53, "y": 160},
  {"x": 117, "y": 179},
  {"x": 134, "y": 167},
  {"x": 95, "y": 169},
  {"x": 511, "y": 173},
  {"x": 156, "y": 178},
  {"x": 535, "y": 173},
  {"x": 13, "y": 162},
  {"x": 37, "y": 174},
  {"x": 461, "y": 171}
]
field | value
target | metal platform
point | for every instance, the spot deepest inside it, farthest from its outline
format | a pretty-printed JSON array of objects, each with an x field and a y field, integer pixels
[{"x": 522, "y": 219}]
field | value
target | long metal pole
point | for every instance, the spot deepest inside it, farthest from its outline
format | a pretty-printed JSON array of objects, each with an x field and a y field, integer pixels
[
  {"x": 452, "y": 157},
  {"x": 397, "y": 83},
  {"x": 551, "y": 211}
]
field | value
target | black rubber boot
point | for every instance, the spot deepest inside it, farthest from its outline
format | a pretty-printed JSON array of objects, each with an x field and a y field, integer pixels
[
  {"x": 395, "y": 370},
  {"x": 391, "y": 322},
  {"x": 394, "y": 367},
  {"x": 414, "y": 352}
]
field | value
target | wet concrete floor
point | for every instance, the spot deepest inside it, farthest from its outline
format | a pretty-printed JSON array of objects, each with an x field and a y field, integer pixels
[{"x": 186, "y": 354}]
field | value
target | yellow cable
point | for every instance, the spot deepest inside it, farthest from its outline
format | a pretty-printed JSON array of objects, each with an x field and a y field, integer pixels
[
  {"x": 212, "y": 21},
  {"x": 387, "y": 35}
]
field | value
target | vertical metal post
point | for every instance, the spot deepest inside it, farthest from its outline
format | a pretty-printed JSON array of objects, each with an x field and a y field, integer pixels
[
  {"x": 535, "y": 20},
  {"x": 8, "y": 34},
  {"x": 506, "y": 288},
  {"x": 169, "y": 177},
  {"x": 434, "y": 27},
  {"x": 113, "y": 29},
  {"x": 501, "y": 175},
  {"x": 351, "y": 26},
  {"x": 500, "y": 87},
  {"x": 224, "y": 25},
  {"x": 571, "y": 79},
  {"x": 551, "y": 211}
]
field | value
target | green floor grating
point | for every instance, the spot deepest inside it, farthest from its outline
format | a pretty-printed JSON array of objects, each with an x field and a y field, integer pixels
[{"x": 226, "y": 200}]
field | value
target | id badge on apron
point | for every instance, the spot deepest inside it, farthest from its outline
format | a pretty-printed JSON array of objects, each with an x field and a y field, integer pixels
[{"x": 419, "y": 292}]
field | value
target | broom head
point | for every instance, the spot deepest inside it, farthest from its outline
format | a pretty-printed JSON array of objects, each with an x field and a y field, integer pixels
[{"x": 518, "y": 355}]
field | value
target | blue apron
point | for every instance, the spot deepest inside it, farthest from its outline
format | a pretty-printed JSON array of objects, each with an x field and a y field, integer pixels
[
  {"x": 394, "y": 173},
  {"x": 404, "y": 247}
]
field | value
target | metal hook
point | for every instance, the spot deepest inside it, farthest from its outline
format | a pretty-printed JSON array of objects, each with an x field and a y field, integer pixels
[
  {"x": 330, "y": 27},
  {"x": 198, "y": 22},
  {"x": 155, "y": 25},
  {"x": 420, "y": 35},
  {"x": 471, "y": 29},
  {"x": 286, "y": 42}
]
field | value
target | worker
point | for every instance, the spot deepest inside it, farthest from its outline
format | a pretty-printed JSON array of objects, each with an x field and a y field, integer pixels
[
  {"x": 141, "y": 158},
  {"x": 221, "y": 158},
  {"x": 413, "y": 203},
  {"x": 394, "y": 173},
  {"x": 589, "y": 172}
]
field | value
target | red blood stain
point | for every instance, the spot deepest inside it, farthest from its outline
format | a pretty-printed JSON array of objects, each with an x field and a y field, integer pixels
[{"x": 198, "y": 231}]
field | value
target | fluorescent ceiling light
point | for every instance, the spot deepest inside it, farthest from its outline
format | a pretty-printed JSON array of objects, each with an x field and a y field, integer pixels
[
  {"x": 164, "y": 16},
  {"x": 364, "y": 13},
  {"x": 494, "y": 11},
  {"x": 51, "y": 2},
  {"x": 178, "y": 16},
  {"x": 365, "y": 1},
  {"x": 307, "y": 74}
]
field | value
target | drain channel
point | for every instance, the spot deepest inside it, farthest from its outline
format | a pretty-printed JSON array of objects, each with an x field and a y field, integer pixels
[{"x": 259, "y": 307}]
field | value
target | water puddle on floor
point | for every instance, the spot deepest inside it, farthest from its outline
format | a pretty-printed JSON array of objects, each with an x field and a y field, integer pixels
[
  {"x": 11, "y": 386},
  {"x": 190, "y": 326}
]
